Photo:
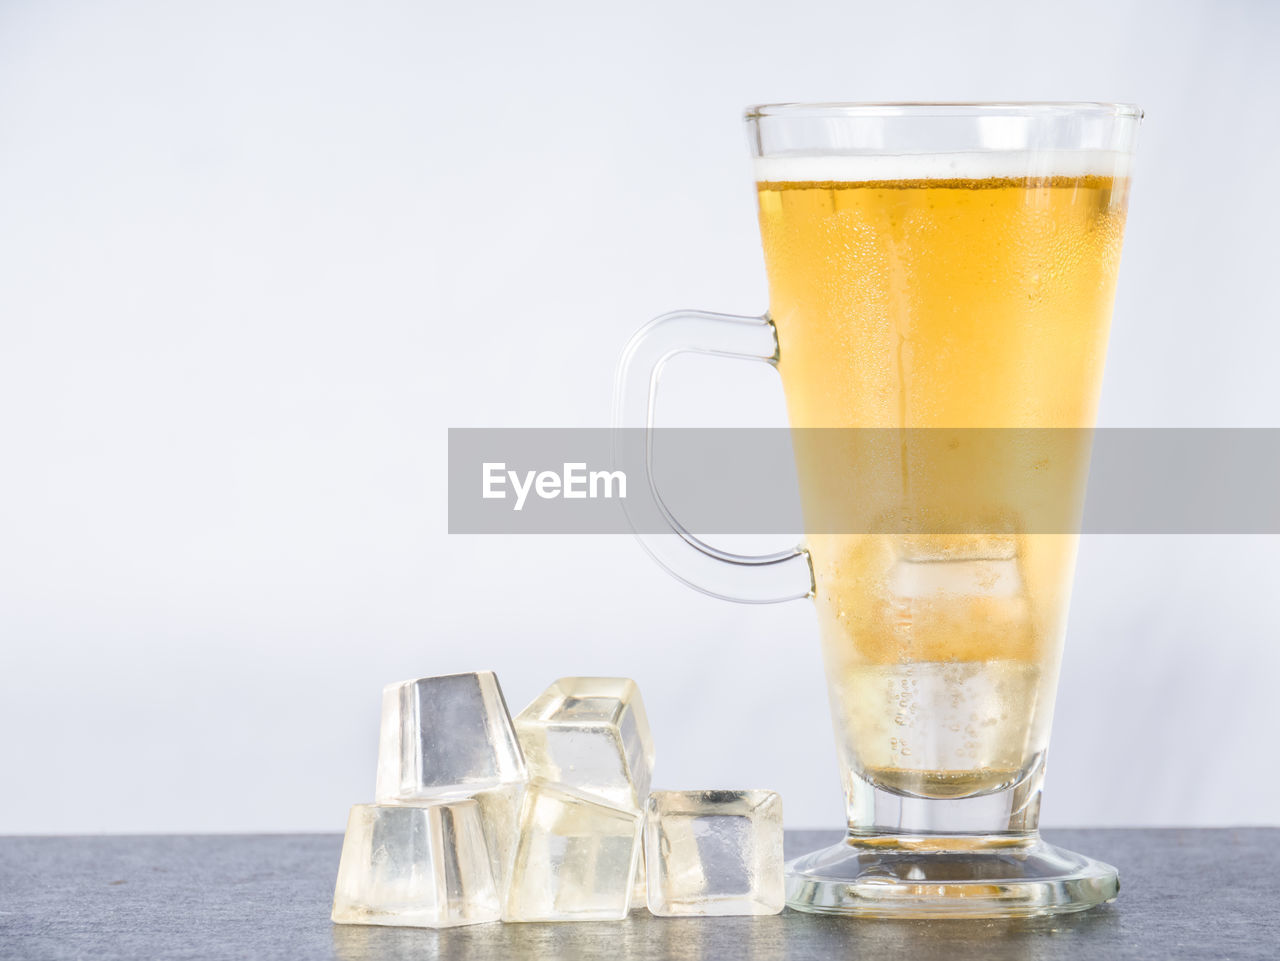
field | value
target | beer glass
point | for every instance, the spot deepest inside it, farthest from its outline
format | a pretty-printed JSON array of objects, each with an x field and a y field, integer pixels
[{"x": 932, "y": 267}]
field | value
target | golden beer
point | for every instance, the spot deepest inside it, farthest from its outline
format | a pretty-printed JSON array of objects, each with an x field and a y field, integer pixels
[{"x": 940, "y": 301}]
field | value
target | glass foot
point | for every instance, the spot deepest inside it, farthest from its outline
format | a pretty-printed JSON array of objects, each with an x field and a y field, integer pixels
[{"x": 947, "y": 877}]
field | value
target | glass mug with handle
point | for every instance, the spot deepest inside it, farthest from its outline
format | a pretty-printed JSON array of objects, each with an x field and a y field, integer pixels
[{"x": 930, "y": 266}]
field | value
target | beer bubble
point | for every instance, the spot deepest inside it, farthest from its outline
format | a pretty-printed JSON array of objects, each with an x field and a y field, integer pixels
[{"x": 1017, "y": 164}]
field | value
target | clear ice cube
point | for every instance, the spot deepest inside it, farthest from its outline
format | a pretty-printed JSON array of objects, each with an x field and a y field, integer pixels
[
  {"x": 416, "y": 866},
  {"x": 714, "y": 853},
  {"x": 592, "y": 734},
  {"x": 575, "y": 859},
  {"x": 499, "y": 820},
  {"x": 445, "y": 735}
]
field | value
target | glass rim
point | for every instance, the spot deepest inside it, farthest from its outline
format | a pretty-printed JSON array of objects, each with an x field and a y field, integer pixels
[{"x": 924, "y": 108}]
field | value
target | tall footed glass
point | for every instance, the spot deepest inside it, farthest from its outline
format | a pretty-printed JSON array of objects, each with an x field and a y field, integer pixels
[{"x": 941, "y": 281}]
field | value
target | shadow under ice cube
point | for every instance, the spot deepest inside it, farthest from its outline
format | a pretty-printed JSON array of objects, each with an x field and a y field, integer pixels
[
  {"x": 416, "y": 866},
  {"x": 575, "y": 859},
  {"x": 592, "y": 734},
  {"x": 714, "y": 853}
]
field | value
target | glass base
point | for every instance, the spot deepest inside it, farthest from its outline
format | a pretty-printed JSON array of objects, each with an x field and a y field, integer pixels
[{"x": 976, "y": 876}]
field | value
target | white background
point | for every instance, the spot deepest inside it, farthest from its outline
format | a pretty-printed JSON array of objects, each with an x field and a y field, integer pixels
[{"x": 256, "y": 257}]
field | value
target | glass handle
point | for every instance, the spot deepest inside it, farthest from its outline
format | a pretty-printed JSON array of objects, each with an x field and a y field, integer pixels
[{"x": 747, "y": 578}]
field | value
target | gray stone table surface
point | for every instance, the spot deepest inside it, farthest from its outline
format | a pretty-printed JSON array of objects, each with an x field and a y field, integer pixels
[{"x": 1185, "y": 894}]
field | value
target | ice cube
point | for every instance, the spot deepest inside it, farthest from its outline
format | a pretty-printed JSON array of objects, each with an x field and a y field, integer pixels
[
  {"x": 714, "y": 852},
  {"x": 575, "y": 859},
  {"x": 499, "y": 820},
  {"x": 591, "y": 734},
  {"x": 415, "y": 865},
  {"x": 445, "y": 735}
]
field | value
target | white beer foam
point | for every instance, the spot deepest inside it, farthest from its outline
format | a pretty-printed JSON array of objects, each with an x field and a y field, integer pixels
[{"x": 855, "y": 168}]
